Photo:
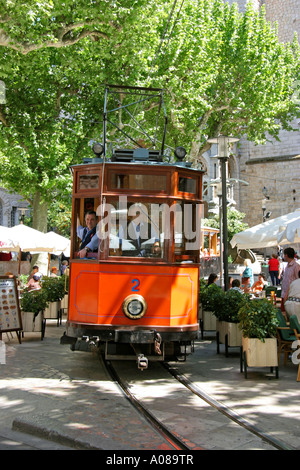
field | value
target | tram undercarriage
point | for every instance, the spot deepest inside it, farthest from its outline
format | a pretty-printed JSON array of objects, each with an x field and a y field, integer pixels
[{"x": 139, "y": 345}]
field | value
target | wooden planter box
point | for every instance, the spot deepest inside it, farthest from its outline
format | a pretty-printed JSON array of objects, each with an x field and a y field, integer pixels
[
  {"x": 64, "y": 302},
  {"x": 255, "y": 353},
  {"x": 53, "y": 310},
  {"x": 33, "y": 325},
  {"x": 207, "y": 321},
  {"x": 229, "y": 334}
]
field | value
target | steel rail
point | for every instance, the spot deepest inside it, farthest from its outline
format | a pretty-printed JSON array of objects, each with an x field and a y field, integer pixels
[
  {"x": 168, "y": 435},
  {"x": 280, "y": 445}
]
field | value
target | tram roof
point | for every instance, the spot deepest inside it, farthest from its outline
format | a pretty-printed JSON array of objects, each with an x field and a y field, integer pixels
[{"x": 179, "y": 165}]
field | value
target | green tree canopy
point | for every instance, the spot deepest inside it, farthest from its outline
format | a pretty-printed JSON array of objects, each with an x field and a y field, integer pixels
[
  {"x": 223, "y": 71},
  {"x": 227, "y": 74},
  {"x": 235, "y": 222},
  {"x": 54, "y": 94}
]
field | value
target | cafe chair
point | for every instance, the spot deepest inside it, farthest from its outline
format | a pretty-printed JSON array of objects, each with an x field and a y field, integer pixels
[
  {"x": 294, "y": 324},
  {"x": 269, "y": 289},
  {"x": 285, "y": 337}
]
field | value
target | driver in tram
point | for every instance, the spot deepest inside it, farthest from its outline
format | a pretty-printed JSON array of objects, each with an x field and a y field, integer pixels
[
  {"x": 87, "y": 234},
  {"x": 137, "y": 232}
]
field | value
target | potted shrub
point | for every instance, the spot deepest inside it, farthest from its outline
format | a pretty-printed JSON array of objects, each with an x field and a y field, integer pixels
[
  {"x": 227, "y": 326},
  {"x": 258, "y": 321},
  {"x": 54, "y": 289},
  {"x": 209, "y": 298},
  {"x": 33, "y": 304}
]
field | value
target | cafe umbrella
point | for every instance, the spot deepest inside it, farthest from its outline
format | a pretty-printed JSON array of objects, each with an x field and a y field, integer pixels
[
  {"x": 6, "y": 241},
  {"x": 60, "y": 244},
  {"x": 283, "y": 230},
  {"x": 23, "y": 238}
]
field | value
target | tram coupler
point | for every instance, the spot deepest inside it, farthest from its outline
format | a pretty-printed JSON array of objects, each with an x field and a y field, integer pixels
[
  {"x": 93, "y": 342},
  {"x": 157, "y": 343},
  {"x": 142, "y": 362}
]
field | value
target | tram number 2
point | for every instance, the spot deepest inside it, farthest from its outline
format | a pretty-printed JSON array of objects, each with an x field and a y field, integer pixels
[{"x": 135, "y": 285}]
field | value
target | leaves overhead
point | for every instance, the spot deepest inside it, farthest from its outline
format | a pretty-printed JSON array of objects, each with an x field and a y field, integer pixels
[
  {"x": 229, "y": 73},
  {"x": 223, "y": 72}
]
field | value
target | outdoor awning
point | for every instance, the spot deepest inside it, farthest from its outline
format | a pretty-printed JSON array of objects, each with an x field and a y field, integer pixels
[
  {"x": 60, "y": 244},
  {"x": 283, "y": 230},
  {"x": 24, "y": 238}
]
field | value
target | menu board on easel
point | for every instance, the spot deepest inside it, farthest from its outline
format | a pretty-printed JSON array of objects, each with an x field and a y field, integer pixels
[{"x": 10, "y": 314}]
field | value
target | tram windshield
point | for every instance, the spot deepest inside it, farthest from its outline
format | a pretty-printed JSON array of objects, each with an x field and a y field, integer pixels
[
  {"x": 136, "y": 229},
  {"x": 143, "y": 229},
  {"x": 121, "y": 228}
]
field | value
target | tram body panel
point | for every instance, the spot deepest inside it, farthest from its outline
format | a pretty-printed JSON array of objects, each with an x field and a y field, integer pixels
[{"x": 97, "y": 293}]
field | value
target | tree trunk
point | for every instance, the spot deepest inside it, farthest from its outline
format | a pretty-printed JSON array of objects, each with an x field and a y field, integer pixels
[
  {"x": 39, "y": 222},
  {"x": 40, "y": 213}
]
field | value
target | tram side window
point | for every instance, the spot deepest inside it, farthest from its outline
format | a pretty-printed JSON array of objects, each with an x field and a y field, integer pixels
[
  {"x": 187, "y": 185},
  {"x": 187, "y": 231},
  {"x": 139, "y": 181},
  {"x": 86, "y": 242},
  {"x": 135, "y": 230}
]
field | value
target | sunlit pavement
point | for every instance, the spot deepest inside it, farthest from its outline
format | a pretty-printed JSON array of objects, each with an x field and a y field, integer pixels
[{"x": 49, "y": 392}]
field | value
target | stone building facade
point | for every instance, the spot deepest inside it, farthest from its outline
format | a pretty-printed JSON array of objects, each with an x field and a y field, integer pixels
[
  {"x": 275, "y": 165},
  {"x": 11, "y": 208}
]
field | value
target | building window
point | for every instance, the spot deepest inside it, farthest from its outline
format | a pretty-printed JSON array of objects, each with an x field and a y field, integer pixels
[{"x": 13, "y": 216}]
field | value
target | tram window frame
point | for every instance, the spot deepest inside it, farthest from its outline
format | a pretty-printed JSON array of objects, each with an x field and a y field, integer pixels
[
  {"x": 143, "y": 173},
  {"x": 185, "y": 193},
  {"x": 87, "y": 174},
  {"x": 81, "y": 206},
  {"x": 180, "y": 252},
  {"x": 152, "y": 253}
]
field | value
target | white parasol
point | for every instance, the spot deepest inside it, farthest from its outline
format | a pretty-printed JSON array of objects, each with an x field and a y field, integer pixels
[
  {"x": 280, "y": 231},
  {"x": 59, "y": 243}
]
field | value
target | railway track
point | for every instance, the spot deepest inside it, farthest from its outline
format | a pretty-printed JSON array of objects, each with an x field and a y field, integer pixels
[
  {"x": 229, "y": 413},
  {"x": 170, "y": 437},
  {"x": 173, "y": 438}
]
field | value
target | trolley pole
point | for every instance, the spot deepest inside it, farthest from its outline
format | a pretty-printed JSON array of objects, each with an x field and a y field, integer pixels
[
  {"x": 221, "y": 241},
  {"x": 223, "y": 142},
  {"x": 224, "y": 220}
]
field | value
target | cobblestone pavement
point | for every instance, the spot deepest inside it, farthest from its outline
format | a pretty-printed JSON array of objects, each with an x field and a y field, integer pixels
[{"x": 46, "y": 388}]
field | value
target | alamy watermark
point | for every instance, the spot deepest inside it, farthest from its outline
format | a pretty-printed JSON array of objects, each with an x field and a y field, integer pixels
[
  {"x": 296, "y": 353},
  {"x": 156, "y": 221},
  {"x": 2, "y": 92},
  {"x": 2, "y": 352}
]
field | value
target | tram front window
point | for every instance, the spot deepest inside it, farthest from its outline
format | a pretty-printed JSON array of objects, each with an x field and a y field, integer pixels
[{"x": 136, "y": 230}]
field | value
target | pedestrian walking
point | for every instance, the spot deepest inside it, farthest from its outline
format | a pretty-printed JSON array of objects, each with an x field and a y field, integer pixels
[
  {"x": 290, "y": 274},
  {"x": 274, "y": 269}
]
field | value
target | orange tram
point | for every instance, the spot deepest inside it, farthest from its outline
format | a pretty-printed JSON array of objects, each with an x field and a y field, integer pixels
[
  {"x": 133, "y": 289},
  {"x": 123, "y": 295}
]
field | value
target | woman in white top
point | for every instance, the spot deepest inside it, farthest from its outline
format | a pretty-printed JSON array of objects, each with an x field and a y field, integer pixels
[{"x": 292, "y": 305}]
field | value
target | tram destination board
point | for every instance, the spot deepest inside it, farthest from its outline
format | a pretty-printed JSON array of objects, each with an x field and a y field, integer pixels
[{"x": 10, "y": 315}]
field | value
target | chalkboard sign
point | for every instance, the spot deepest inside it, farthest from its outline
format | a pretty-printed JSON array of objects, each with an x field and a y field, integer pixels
[{"x": 10, "y": 315}]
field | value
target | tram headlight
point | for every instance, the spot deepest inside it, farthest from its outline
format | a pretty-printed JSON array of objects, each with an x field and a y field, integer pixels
[
  {"x": 134, "y": 307},
  {"x": 98, "y": 149},
  {"x": 180, "y": 153}
]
